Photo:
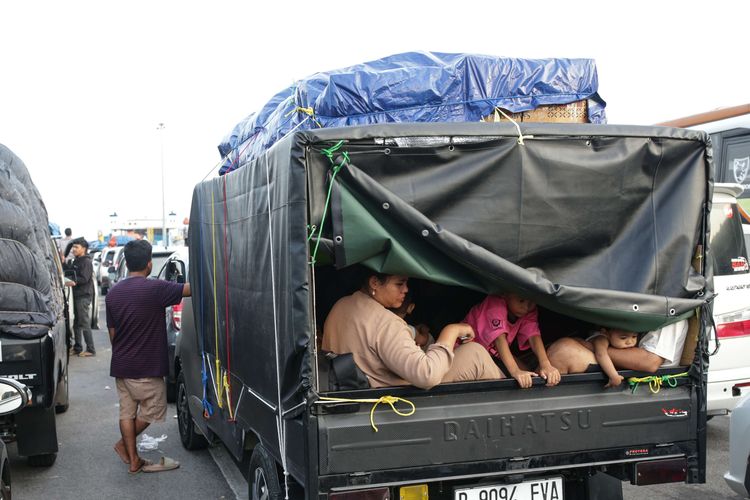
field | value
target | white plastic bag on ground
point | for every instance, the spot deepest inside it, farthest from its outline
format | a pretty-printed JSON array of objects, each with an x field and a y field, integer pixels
[{"x": 149, "y": 443}]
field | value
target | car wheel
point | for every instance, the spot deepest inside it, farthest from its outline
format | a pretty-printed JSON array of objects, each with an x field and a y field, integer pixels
[
  {"x": 43, "y": 460},
  {"x": 263, "y": 480},
  {"x": 189, "y": 435},
  {"x": 94, "y": 315}
]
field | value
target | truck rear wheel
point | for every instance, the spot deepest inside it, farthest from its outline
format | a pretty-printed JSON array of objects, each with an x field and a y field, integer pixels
[
  {"x": 43, "y": 460},
  {"x": 63, "y": 402},
  {"x": 189, "y": 435},
  {"x": 263, "y": 480}
]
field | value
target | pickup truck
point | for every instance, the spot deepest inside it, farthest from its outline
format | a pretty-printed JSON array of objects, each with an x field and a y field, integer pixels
[
  {"x": 34, "y": 319},
  {"x": 599, "y": 225}
]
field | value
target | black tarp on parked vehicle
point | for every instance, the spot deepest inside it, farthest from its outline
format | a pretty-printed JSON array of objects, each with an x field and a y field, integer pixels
[
  {"x": 30, "y": 277},
  {"x": 581, "y": 218}
]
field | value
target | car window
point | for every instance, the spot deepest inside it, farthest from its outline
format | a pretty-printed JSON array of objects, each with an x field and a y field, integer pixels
[
  {"x": 727, "y": 240},
  {"x": 110, "y": 255},
  {"x": 158, "y": 261}
]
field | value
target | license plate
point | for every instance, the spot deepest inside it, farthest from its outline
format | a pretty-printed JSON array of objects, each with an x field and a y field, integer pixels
[{"x": 540, "y": 489}]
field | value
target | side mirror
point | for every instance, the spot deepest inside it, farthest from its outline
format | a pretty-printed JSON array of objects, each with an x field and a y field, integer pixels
[
  {"x": 13, "y": 396},
  {"x": 175, "y": 271}
]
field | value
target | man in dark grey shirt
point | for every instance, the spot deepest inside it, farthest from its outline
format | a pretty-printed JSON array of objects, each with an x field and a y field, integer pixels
[{"x": 83, "y": 294}]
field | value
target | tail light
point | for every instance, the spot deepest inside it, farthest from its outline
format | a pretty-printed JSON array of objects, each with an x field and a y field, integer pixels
[
  {"x": 374, "y": 494},
  {"x": 177, "y": 315},
  {"x": 660, "y": 471},
  {"x": 734, "y": 324}
]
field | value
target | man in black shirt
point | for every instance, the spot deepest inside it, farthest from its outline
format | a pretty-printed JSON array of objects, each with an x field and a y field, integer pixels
[{"x": 83, "y": 293}]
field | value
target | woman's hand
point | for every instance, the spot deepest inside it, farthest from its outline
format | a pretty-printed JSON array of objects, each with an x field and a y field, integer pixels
[
  {"x": 455, "y": 332},
  {"x": 550, "y": 374},
  {"x": 523, "y": 378}
]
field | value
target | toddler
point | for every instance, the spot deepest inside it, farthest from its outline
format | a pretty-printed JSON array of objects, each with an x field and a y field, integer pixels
[
  {"x": 420, "y": 333},
  {"x": 601, "y": 340},
  {"x": 508, "y": 328}
]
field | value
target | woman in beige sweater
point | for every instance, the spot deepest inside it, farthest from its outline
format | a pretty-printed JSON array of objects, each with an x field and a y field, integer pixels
[{"x": 384, "y": 349}]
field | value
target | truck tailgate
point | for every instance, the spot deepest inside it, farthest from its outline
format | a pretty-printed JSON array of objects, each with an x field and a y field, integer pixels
[{"x": 505, "y": 423}]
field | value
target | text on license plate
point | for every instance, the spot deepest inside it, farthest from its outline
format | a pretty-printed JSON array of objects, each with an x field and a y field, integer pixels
[{"x": 541, "y": 489}]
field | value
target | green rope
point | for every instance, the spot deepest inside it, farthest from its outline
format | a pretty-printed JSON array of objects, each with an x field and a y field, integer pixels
[
  {"x": 655, "y": 381},
  {"x": 335, "y": 170}
]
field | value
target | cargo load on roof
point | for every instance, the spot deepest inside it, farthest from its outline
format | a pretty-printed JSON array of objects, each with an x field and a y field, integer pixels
[{"x": 422, "y": 87}]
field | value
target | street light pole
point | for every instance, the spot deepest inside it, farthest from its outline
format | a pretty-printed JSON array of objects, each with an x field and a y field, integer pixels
[{"x": 160, "y": 128}]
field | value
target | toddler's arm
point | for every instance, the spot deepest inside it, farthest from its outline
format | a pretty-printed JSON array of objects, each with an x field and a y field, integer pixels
[
  {"x": 522, "y": 376},
  {"x": 546, "y": 370},
  {"x": 601, "y": 343}
]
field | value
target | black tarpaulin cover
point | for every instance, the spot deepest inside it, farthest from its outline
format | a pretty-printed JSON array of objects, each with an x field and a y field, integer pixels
[
  {"x": 597, "y": 222},
  {"x": 30, "y": 278}
]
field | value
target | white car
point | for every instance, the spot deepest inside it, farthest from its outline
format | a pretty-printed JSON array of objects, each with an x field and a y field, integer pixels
[
  {"x": 109, "y": 260},
  {"x": 729, "y": 368},
  {"x": 738, "y": 477}
]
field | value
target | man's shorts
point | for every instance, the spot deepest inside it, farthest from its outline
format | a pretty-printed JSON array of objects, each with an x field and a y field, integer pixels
[{"x": 145, "y": 398}]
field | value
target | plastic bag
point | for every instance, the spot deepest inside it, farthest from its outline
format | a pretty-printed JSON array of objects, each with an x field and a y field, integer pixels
[{"x": 149, "y": 443}]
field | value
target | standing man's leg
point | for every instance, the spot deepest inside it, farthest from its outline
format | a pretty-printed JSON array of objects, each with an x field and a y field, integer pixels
[
  {"x": 78, "y": 324},
  {"x": 137, "y": 426},
  {"x": 130, "y": 425},
  {"x": 85, "y": 325}
]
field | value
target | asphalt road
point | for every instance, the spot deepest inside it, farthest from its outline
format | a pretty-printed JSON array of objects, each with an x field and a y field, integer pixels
[
  {"x": 88, "y": 468},
  {"x": 715, "y": 486}
]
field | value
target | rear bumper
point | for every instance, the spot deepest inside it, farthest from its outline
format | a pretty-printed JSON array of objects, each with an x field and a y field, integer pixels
[
  {"x": 725, "y": 390},
  {"x": 736, "y": 483}
]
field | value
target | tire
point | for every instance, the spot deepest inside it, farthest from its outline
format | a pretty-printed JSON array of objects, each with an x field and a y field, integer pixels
[
  {"x": 43, "y": 460},
  {"x": 171, "y": 392},
  {"x": 189, "y": 435},
  {"x": 5, "y": 482},
  {"x": 63, "y": 407},
  {"x": 263, "y": 479}
]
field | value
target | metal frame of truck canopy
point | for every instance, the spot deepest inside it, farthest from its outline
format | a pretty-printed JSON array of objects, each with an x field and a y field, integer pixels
[{"x": 398, "y": 205}]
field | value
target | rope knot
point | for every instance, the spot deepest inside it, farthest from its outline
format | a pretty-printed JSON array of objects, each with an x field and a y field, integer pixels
[
  {"x": 309, "y": 111},
  {"x": 389, "y": 400},
  {"x": 655, "y": 381}
]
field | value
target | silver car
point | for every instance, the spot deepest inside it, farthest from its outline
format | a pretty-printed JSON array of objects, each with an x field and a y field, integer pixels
[{"x": 738, "y": 477}]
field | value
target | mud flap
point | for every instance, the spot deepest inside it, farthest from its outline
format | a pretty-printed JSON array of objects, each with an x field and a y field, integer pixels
[
  {"x": 600, "y": 486},
  {"x": 603, "y": 486},
  {"x": 36, "y": 431}
]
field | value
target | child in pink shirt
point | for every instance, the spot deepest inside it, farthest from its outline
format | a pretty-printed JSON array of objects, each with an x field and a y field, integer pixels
[{"x": 507, "y": 327}]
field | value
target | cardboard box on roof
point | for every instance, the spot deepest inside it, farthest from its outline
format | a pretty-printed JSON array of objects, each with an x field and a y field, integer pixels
[{"x": 574, "y": 112}]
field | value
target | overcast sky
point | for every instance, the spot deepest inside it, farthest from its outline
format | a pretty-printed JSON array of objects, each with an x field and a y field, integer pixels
[{"x": 83, "y": 84}]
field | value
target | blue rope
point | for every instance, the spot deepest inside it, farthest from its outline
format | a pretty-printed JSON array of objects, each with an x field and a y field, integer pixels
[{"x": 208, "y": 409}]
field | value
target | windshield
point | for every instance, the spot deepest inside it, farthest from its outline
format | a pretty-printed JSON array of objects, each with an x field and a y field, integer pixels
[{"x": 727, "y": 240}]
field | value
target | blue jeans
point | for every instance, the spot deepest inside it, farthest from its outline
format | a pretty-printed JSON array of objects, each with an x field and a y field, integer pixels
[{"x": 82, "y": 324}]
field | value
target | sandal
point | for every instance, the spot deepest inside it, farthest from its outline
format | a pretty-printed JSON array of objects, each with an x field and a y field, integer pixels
[
  {"x": 165, "y": 463},
  {"x": 144, "y": 463}
]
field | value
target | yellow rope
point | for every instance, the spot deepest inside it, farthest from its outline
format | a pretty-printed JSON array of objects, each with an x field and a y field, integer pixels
[
  {"x": 655, "y": 381},
  {"x": 390, "y": 400},
  {"x": 229, "y": 396},
  {"x": 307, "y": 111},
  {"x": 216, "y": 306}
]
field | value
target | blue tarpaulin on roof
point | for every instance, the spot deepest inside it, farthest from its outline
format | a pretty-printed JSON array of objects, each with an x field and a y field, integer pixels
[{"x": 414, "y": 87}]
